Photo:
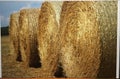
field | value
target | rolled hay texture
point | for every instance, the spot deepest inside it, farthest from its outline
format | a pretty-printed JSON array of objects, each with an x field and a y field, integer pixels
[
  {"x": 48, "y": 28},
  {"x": 107, "y": 21},
  {"x": 87, "y": 38},
  {"x": 14, "y": 36},
  {"x": 28, "y": 36},
  {"x": 80, "y": 39}
]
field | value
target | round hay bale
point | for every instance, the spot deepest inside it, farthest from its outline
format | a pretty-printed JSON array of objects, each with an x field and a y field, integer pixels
[
  {"x": 107, "y": 21},
  {"x": 87, "y": 34},
  {"x": 48, "y": 28},
  {"x": 80, "y": 39},
  {"x": 14, "y": 36},
  {"x": 23, "y": 33},
  {"x": 28, "y": 35}
]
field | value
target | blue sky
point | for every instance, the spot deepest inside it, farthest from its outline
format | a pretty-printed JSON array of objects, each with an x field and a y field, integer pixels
[{"x": 8, "y": 7}]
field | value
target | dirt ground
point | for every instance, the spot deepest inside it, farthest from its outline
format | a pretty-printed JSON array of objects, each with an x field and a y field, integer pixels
[{"x": 14, "y": 69}]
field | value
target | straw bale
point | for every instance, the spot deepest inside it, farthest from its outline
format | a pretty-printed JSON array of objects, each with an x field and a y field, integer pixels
[
  {"x": 14, "y": 36},
  {"x": 80, "y": 39},
  {"x": 48, "y": 28},
  {"x": 107, "y": 21},
  {"x": 28, "y": 36},
  {"x": 87, "y": 38}
]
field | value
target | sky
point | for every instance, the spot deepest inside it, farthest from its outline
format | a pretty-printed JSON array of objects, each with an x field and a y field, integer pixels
[{"x": 8, "y": 7}]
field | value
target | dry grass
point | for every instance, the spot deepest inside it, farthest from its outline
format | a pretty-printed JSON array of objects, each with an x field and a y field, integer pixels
[
  {"x": 80, "y": 39},
  {"x": 14, "y": 35},
  {"x": 48, "y": 28},
  {"x": 13, "y": 69},
  {"x": 28, "y": 36},
  {"x": 88, "y": 32},
  {"x": 107, "y": 21},
  {"x": 83, "y": 42},
  {"x": 23, "y": 33}
]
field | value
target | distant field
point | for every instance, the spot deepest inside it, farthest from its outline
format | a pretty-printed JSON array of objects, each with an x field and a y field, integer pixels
[
  {"x": 13, "y": 69},
  {"x": 4, "y": 30}
]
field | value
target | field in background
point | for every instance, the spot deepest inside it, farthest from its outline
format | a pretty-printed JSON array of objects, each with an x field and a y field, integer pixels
[{"x": 13, "y": 69}]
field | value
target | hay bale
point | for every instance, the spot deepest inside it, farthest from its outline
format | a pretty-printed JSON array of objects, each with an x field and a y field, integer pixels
[
  {"x": 48, "y": 28},
  {"x": 79, "y": 39},
  {"x": 28, "y": 35},
  {"x": 107, "y": 21},
  {"x": 23, "y": 33},
  {"x": 14, "y": 36},
  {"x": 88, "y": 38}
]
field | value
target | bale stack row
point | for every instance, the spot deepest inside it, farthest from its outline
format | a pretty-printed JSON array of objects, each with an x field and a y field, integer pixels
[{"x": 77, "y": 36}]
